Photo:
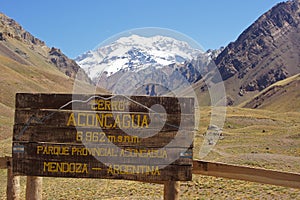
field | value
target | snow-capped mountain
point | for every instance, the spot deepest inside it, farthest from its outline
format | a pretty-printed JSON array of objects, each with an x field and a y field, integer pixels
[{"x": 134, "y": 53}]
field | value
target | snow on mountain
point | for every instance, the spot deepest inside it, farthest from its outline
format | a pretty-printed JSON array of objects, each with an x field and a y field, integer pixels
[{"x": 135, "y": 53}]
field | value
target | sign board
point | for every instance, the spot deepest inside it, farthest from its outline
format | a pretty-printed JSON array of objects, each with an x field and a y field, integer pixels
[{"x": 103, "y": 136}]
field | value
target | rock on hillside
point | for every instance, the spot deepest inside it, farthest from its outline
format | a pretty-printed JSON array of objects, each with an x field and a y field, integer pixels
[
  {"x": 28, "y": 65},
  {"x": 68, "y": 66},
  {"x": 11, "y": 31},
  {"x": 10, "y": 28},
  {"x": 266, "y": 52}
]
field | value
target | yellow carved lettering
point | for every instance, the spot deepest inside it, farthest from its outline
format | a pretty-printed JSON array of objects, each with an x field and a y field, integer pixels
[
  {"x": 71, "y": 120},
  {"x": 81, "y": 121},
  {"x": 133, "y": 169},
  {"x": 106, "y": 121},
  {"x": 107, "y": 105},
  {"x": 39, "y": 149},
  {"x": 145, "y": 122},
  {"x": 90, "y": 120},
  {"x": 65, "y": 167}
]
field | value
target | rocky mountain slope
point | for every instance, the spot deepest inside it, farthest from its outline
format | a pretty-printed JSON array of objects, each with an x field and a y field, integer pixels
[
  {"x": 281, "y": 96},
  {"x": 11, "y": 30},
  {"x": 28, "y": 65},
  {"x": 145, "y": 65},
  {"x": 266, "y": 52},
  {"x": 135, "y": 53}
]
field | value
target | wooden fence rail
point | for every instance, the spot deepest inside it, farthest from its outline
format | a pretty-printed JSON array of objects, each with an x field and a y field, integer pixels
[
  {"x": 252, "y": 174},
  {"x": 171, "y": 189}
]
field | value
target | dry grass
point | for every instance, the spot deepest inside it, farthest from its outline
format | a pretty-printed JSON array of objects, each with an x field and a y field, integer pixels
[
  {"x": 260, "y": 138},
  {"x": 201, "y": 187},
  {"x": 282, "y": 96},
  {"x": 251, "y": 137}
]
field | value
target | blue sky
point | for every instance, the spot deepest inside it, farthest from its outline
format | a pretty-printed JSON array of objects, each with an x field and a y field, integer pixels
[{"x": 78, "y": 26}]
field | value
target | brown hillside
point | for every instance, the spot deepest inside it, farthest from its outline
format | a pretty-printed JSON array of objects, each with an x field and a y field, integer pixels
[
  {"x": 281, "y": 96},
  {"x": 267, "y": 52},
  {"x": 28, "y": 65},
  {"x": 11, "y": 32}
]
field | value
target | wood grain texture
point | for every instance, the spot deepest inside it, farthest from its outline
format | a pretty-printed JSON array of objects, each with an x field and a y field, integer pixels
[
  {"x": 49, "y": 168},
  {"x": 159, "y": 139},
  {"x": 91, "y": 136},
  {"x": 34, "y": 188},
  {"x": 171, "y": 190},
  {"x": 85, "y": 102},
  {"x": 13, "y": 189},
  {"x": 107, "y": 120}
]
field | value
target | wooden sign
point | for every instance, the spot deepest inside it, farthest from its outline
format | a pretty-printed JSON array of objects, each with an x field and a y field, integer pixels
[{"x": 103, "y": 136}]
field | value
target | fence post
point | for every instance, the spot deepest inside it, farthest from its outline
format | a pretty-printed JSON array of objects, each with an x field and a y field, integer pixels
[
  {"x": 34, "y": 188},
  {"x": 13, "y": 182},
  {"x": 171, "y": 190}
]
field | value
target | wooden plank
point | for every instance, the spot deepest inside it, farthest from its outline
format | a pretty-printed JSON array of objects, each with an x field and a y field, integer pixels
[
  {"x": 157, "y": 138},
  {"x": 247, "y": 173},
  {"x": 182, "y": 105},
  {"x": 80, "y": 169},
  {"x": 104, "y": 120},
  {"x": 103, "y": 153}
]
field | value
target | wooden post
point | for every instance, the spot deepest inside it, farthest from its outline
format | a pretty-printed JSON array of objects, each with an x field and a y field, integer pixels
[
  {"x": 34, "y": 188},
  {"x": 13, "y": 182},
  {"x": 171, "y": 190}
]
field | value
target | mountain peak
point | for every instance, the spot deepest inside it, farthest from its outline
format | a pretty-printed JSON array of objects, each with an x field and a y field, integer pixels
[{"x": 134, "y": 53}]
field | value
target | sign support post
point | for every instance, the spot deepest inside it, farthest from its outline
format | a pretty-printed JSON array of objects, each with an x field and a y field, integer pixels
[
  {"x": 171, "y": 190},
  {"x": 34, "y": 188},
  {"x": 13, "y": 182}
]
